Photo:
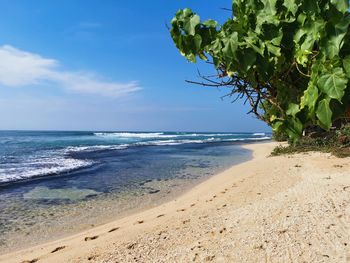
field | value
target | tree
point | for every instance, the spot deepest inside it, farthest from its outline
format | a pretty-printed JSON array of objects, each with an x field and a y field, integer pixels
[{"x": 290, "y": 59}]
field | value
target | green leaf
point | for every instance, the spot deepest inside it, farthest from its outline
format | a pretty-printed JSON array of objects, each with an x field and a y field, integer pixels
[
  {"x": 293, "y": 109},
  {"x": 310, "y": 97},
  {"x": 190, "y": 25},
  {"x": 335, "y": 35},
  {"x": 294, "y": 128},
  {"x": 230, "y": 46},
  {"x": 274, "y": 50},
  {"x": 277, "y": 125},
  {"x": 324, "y": 114},
  {"x": 346, "y": 65},
  {"x": 197, "y": 42},
  {"x": 333, "y": 83},
  {"x": 210, "y": 23},
  {"x": 291, "y": 6},
  {"x": 247, "y": 58},
  {"x": 269, "y": 6},
  {"x": 341, "y": 5}
]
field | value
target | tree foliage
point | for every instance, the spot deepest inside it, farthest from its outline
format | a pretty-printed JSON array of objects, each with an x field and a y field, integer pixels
[{"x": 290, "y": 59}]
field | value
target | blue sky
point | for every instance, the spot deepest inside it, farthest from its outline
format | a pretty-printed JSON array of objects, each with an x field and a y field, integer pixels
[{"x": 106, "y": 65}]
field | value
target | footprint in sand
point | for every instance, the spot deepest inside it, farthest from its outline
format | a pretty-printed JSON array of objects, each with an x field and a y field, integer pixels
[
  {"x": 140, "y": 222},
  {"x": 222, "y": 230},
  {"x": 92, "y": 257},
  {"x": 113, "y": 229},
  {"x": 30, "y": 261},
  {"x": 131, "y": 246},
  {"x": 57, "y": 249},
  {"x": 90, "y": 238}
]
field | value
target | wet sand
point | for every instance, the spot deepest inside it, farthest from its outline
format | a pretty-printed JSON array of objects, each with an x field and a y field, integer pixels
[{"x": 269, "y": 209}]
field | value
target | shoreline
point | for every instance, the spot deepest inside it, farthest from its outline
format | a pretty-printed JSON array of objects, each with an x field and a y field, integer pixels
[
  {"x": 109, "y": 208},
  {"x": 251, "y": 211}
]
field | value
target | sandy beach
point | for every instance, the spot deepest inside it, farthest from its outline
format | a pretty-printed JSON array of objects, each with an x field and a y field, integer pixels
[{"x": 269, "y": 209}]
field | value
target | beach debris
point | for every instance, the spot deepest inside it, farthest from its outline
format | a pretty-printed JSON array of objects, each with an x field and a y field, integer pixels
[
  {"x": 113, "y": 229},
  {"x": 181, "y": 210},
  {"x": 57, "y": 249},
  {"x": 90, "y": 238},
  {"x": 140, "y": 222},
  {"x": 161, "y": 215},
  {"x": 192, "y": 205}
]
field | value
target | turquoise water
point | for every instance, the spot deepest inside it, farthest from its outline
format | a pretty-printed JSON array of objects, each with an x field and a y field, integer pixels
[{"x": 57, "y": 183}]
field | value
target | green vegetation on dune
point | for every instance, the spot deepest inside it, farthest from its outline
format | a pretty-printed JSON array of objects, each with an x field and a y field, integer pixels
[
  {"x": 335, "y": 142},
  {"x": 290, "y": 59}
]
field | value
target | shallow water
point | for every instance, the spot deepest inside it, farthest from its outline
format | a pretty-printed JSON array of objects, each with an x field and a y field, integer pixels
[{"x": 48, "y": 208}]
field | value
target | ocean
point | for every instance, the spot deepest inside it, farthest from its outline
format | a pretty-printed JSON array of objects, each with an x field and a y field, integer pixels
[{"x": 55, "y": 183}]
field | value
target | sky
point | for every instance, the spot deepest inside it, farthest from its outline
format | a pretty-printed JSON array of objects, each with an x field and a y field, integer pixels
[{"x": 107, "y": 65}]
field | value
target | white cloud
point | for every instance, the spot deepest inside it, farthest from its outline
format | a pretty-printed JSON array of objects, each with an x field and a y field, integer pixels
[{"x": 21, "y": 68}]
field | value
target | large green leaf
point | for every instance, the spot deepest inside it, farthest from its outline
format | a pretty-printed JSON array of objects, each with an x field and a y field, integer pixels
[
  {"x": 346, "y": 65},
  {"x": 324, "y": 114},
  {"x": 310, "y": 97},
  {"x": 293, "y": 109},
  {"x": 210, "y": 23},
  {"x": 190, "y": 25},
  {"x": 294, "y": 128},
  {"x": 291, "y": 6},
  {"x": 341, "y": 5},
  {"x": 333, "y": 83},
  {"x": 230, "y": 46},
  {"x": 247, "y": 58},
  {"x": 335, "y": 35},
  {"x": 197, "y": 42}
]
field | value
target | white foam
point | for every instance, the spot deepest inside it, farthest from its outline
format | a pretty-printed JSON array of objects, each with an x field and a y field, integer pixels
[
  {"x": 161, "y": 135},
  {"x": 259, "y": 134},
  {"x": 131, "y": 134},
  {"x": 93, "y": 148},
  {"x": 41, "y": 167}
]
